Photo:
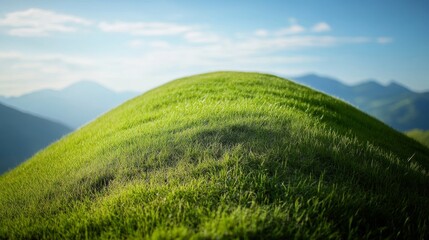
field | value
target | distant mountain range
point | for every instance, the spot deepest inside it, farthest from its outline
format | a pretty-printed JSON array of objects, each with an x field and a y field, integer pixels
[
  {"x": 22, "y": 135},
  {"x": 393, "y": 104},
  {"x": 73, "y": 106},
  {"x": 24, "y": 124}
]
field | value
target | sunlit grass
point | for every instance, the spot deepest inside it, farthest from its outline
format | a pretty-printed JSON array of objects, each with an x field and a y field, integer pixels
[
  {"x": 419, "y": 135},
  {"x": 223, "y": 155}
]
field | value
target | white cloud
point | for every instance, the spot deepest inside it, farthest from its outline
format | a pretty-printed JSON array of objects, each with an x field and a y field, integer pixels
[
  {"x": 296, "y": 42},
  {"x": 39, "y": 22},
  {"x": 384, "y": 40},
  {"x": 48, "y": 58},
  {"x": 201, "y": 37},
  {"x": 189, "y": 33},
  {"x": 293, "y": 29},
  {"x": 135, "y": 43},
  {"x": 145, "y": 28},
  {"x": 159, "y": 44},
  {"x": 321, "y": 27},
  {"x": 10, "y": 55},
  {"x": 261, "y": 33}
]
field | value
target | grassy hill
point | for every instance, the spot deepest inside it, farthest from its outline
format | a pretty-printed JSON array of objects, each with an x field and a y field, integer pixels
[
  {"x": 223, "y": 155},
  {"x": 22, "y": 135},
  {"x": 420, "y": 135}
]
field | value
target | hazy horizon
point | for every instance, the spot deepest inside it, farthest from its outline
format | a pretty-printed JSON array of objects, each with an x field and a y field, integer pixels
[
  {"x": 59, "y": 88},
  {"x": 138, "y": 45}
]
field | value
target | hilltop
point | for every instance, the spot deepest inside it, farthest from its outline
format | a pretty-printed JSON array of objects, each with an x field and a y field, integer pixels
[{"x": 223, "y": 155}]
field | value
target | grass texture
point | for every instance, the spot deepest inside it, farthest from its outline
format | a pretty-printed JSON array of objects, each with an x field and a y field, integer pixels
[
  {"x": 223, "y": 155},
  {"x": 420, "y": 136}
]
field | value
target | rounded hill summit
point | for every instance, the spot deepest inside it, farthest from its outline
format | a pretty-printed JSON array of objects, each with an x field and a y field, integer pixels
[{"x": 223, "y": 155}]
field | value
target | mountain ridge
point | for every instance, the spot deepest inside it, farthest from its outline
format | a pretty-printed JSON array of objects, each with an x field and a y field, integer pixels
[
  {"x": 74, "y": 105},
  {"x": 23, "y": 134},
  {"x": 394, "y": 104}
]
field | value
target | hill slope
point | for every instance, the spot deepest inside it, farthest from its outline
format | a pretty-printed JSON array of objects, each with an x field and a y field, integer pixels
[
  {"x": 420, "y": 136},
  {"x": 223, "y": 155},
  {"x": 393, "y": 104},
  {"x": 22, "y": 135},
  {"x": 74, "y": 105}
]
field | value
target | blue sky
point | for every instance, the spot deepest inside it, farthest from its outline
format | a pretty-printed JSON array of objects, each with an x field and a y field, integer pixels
[{"x": 137, "y": 45}]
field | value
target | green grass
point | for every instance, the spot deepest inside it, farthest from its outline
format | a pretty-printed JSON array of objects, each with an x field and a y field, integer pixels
[
  {"x": 419, "y": 135},
  {"x": 223, "y": 155}
]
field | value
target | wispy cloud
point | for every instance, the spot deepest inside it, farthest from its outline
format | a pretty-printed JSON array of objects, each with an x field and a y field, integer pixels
[
  {"x": 190, "y": 34},
  {"x": 295, "y": 42},
  {"x": 202, "y": 37},
  {"x": 22, "y": 72},
  {"x": 261, "y": 33},
  {"x": 321, "y": 27},
  {"x": 49, "y": 58},
  {"x": 136, "y": 43},
  {"x": 145, "y": 28},
  {"x": 293, "y": 28},
  {"x": 39, "y": 22},
  {"x": 160, "y": 51},
  {"x": 384, "y": 40},
  {"x": 158, "y": 44}
]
